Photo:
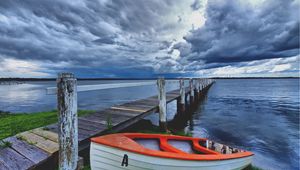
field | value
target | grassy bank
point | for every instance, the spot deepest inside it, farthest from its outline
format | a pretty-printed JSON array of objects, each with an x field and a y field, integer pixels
[{"x": 11, "y": 124}]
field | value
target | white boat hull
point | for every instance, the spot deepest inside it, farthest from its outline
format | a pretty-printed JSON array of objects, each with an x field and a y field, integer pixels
[{"x": 108, "y": 158}]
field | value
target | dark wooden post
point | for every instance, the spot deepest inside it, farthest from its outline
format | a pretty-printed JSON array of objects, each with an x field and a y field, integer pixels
[
  {"x": 67, "y": 121},
  {"x": 181, "y": 100},
  {"x": 162, "y": 104},
  {"x": 197, "y": 89},
  {"x": 191, "y": 92}
]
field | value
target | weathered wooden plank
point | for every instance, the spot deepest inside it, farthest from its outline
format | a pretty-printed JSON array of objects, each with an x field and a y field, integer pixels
[
  {"x": 129, "y": 109},
  {"x": 93, "y": 122},
  {"x": 3, "y": 166},
  {"x": 121, "y": 112},
  {"x": 113, "y": 118},
  {"x": 137, "y": 106},
  {"x": 52, "y": 128},
  {"x": 40, "y": 142},
  {"x": 13, "y": 160},
  {"x": 31, "y": 152},
  {"x": 46, "y": 134},
  {"x": 149, "y": 102},
  {"x": 85, "y": 134},
  {"x": 99, "y": 117},
  {"x": 93, "y": 119},
  {"x": 90, "y": 126},
  {"x": 144, "y": 103}
]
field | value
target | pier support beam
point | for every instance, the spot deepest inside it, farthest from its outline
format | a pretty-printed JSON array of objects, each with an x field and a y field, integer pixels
[
  {"x": 181, "y": 100},
  {"x": 191, "y": 92},
  {"x": 162, "y": 104},
  {"x": 197, "y": 92},
  {"x": 199, "y": 88},
  {"x": 67, "y": 121}
]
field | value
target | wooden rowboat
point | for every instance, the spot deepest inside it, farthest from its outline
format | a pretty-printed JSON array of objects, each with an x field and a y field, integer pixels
[{"x": 166, "y": 152}]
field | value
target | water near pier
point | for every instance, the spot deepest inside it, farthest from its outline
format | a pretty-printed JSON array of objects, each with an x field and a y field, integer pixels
[{"x": 261, "y": 115}]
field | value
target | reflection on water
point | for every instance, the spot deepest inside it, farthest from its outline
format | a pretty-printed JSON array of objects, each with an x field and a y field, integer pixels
[{"x": 261, "y": 116}]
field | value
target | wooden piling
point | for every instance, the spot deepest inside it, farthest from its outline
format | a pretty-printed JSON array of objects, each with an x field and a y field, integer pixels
[
  {"x": 181, "y": 100},
  {"x": 162, "y": 104},
  {"x": 196, "y": 90},
  {"x": 191, "y": 92},
  {"x": 67, "y": 121}
]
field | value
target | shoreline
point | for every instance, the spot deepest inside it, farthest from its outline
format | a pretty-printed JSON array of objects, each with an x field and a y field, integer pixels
[{"x": 19, "y": 80}]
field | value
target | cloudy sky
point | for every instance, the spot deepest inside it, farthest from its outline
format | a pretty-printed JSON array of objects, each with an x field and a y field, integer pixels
[{"x": 148, "y": 38}]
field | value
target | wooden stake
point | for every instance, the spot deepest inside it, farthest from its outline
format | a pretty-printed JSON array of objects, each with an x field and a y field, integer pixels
[
  {"x": 162, "y": 104},
  {"x": 67, "y": 121},
  {"x": 191, "y": 91},
  {"x": 181, "y": 100}
]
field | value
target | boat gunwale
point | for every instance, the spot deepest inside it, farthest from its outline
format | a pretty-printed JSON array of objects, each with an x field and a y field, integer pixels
[{"x": 170, "y": 152}]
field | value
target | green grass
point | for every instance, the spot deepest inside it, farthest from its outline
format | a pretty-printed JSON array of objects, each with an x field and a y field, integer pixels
[
  {"x": 86, "y": 167},
  {"x": 4, "y": 144},
  {"x": 11, "y": 124}
]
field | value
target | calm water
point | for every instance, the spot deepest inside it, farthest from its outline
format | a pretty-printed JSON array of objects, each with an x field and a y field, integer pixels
[{"x": 260, "y": 115}]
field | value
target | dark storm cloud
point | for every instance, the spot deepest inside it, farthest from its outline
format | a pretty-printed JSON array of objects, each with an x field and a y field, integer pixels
[
  {"x": 91, "y": 33},
  {"x": 236, "y": 31},
  {"x": 127, "y": 37}
]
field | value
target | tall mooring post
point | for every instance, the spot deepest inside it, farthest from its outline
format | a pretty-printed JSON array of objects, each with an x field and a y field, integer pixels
[
  {"x": 162, "y": 104},
  {"x": 181, "y": 100},
  {"x": 191, "y": 92},
  {"x": 67, "y": 121}
]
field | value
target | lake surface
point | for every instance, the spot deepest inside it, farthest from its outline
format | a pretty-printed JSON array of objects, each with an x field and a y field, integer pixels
[{"x": 260, "y": 115}]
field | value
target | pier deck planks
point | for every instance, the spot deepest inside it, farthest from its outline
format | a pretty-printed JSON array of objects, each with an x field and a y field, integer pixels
[
  {"x": 31, "y": 152},
  {"x": 13, "y": 160}
]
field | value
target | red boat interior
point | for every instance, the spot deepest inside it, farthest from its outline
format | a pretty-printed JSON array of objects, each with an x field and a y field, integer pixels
[{"x": 170, "y": 146}]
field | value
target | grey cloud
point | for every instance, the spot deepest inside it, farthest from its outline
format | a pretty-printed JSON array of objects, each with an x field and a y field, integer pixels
[
  {"x": 196, "y": 5},
  {"x": 139, "y": 35},
  {"x": 236, "y": 32},
  {"x": 91, "y": 33}
]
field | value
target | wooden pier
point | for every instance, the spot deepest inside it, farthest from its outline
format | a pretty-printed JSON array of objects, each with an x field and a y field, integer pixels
[{"x": 44, "y": 147}]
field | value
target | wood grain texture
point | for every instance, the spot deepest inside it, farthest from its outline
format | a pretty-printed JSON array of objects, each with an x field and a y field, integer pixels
[
  {"x": 31, "y": 152},
  {"x": 162, "y": 104},
  {"x": 121, "y": 112},
  {"x": 46, "y": 134},
  {"x": 129, "y": 109},
  {"x": 13, "y": 160},
  {"x": 67, "y": 121},
  {"x": 3, "y": 166},
  {"x": 40, "y": 142}
]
